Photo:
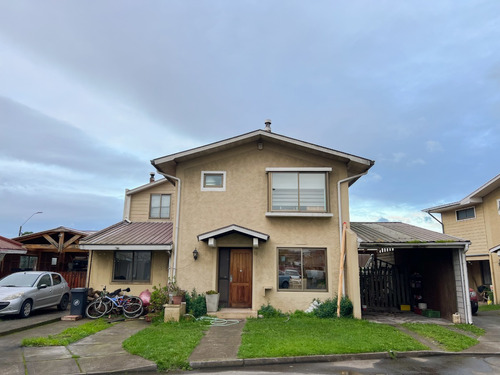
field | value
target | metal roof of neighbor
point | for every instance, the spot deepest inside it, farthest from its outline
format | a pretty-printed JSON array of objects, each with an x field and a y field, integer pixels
[
  {"x": 8, "y": 246},
  {"x": 356, "y": 164},
  {"x": 475, "y": 197},
  {"x": 391, "y": 233},
  {"x": 132, "y": 233}
]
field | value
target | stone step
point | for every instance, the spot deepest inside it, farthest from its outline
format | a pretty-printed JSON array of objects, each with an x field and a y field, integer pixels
[{"x": 230, "y": 313}]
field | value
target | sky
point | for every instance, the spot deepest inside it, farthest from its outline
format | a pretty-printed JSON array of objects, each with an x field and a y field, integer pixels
[{"x": 90, "y": 92}]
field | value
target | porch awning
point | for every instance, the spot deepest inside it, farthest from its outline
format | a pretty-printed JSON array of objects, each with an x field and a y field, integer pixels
[
  {"x": 126, "y": 235},
  {"x": 210, "y": 237}
]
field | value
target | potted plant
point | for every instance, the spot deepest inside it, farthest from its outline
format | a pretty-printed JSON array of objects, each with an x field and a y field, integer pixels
[{"x": 212, "y": 299}]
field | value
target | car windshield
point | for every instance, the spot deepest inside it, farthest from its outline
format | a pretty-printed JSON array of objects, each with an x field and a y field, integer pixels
[{"x": 19, "y": 279}]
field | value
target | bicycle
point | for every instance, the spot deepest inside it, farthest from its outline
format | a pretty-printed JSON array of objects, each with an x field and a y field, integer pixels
[{"x": 131, "y": 306}]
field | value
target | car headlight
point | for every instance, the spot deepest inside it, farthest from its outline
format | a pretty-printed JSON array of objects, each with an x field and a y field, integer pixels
[{"x": 13, "y": 296}]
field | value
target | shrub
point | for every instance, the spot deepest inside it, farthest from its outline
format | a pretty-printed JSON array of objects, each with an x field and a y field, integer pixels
[
  {"x": 268, "y": 311},
  {"x": 159, "y": 297},
  {"x": 328, "y": 309},
  {"x": 196, "y": 304}
]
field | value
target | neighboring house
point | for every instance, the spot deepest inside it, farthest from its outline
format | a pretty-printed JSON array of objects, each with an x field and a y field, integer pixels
[
  {"x": 477, "y": 218},
  {"x": 8, "y": 248},
  {"x": 402, "y": 264},
  {"x": 51, "y": 250},
  {"x": 238, "y": 216}
]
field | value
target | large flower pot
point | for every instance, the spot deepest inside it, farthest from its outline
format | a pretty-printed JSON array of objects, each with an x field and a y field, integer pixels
[
  {"x": 176, "y": 300},
  {"x": 212, "y": 302}
]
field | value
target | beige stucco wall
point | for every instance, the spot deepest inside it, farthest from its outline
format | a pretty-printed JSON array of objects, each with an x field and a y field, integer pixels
[
  {"x": 101, "y": 272},
  {"x": 469, "y": 229},
  {"x": 244, "y": 203}
]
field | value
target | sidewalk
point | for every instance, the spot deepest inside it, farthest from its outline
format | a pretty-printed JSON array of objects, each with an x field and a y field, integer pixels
[{"x": 102, "y": 352}]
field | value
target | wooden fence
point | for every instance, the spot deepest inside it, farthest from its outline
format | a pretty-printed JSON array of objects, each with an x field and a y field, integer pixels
[
  {"x": 384, "y": 287},
  {"x": 75, "y": 279}
]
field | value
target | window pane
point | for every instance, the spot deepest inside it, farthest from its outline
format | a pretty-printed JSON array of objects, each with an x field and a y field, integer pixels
[
  {"x": 165, "y": 206},
  {"x": 155, "y": 206},
  {"x": 142, "y": 266},
  {"x": 285, "y": 192},
  {"x": 123, "y": 265},
  {"x": 45, "y": 280},
  {"x": 312, "y": 192},
  {"x": 315, "y": 268},
  {"x": 213, "y": 180},
  {"x": 56, "y": 279},
  {"x": 468, "y": 213},
  {"x": 290, "y": 268}
]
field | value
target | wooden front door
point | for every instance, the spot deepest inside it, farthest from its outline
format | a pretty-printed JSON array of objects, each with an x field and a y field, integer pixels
[{"x": 240, "y": 278}]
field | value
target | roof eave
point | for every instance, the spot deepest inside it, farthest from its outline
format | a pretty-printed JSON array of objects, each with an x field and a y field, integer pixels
[{"x": 442, "y": 245}]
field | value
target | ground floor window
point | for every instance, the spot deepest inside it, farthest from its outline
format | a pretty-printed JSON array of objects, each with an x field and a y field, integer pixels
[
  {"x": 301, "y": 269},
  {"x": 132, "y": 266},
  {"x": 27, "y": 262}
]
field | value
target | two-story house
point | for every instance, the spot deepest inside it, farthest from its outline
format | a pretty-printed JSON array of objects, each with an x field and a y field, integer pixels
[
  {"x": 257, "y": 217},
  {"x": 477, "y": 218}
]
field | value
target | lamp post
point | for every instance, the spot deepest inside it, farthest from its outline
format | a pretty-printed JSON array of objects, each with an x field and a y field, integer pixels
[{"x": 21, "y": 227}]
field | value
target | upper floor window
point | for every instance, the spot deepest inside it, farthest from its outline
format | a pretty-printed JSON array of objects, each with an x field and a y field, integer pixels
[
  {"x": 213, "y": 181},
  {"x": 467, "y": 213},
  {"x": 298, "y": 191},
  {"x": 160, "y": 206}
]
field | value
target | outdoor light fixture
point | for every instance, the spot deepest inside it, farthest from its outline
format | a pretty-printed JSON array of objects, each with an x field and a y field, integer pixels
[
  {"x": 21, "y": 227},
  {"x": 195, "y": 254}
]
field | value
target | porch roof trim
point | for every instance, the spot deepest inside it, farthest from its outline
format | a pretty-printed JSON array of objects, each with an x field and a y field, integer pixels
[{"x": 232, "y": 229}]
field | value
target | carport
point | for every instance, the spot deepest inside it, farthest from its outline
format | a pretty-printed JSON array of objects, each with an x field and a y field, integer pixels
[{"x": 401, "y": 264}]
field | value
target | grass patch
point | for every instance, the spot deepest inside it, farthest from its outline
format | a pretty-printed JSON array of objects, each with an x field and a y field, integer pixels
[
  {"x": 69, "y": 335},
  {"x": 167, "y": 344},
  {"x": 446, "y": 338},
  {"x": 276, "y": 337},
  {"x": 488, "y": 307},
  {"x": 470, "y": 328}
]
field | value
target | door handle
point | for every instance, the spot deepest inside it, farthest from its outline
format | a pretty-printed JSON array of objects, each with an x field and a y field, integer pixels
[{"x": 230, "y": 278}]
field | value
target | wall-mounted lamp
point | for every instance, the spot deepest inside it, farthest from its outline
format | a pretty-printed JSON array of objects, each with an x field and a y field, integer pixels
[{"x": 195, "y": 254}]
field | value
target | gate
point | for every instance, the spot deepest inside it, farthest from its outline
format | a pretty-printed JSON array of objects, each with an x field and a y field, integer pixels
[{"x": 384, "y": 286}]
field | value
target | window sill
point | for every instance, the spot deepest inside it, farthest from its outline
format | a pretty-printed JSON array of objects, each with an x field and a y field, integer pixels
[{"x": 299, "y": 214}]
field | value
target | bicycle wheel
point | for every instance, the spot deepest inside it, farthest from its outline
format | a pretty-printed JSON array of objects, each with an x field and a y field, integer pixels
[
  {"x": 96, "y": 309},
  {"x": 132, "y": 307}
]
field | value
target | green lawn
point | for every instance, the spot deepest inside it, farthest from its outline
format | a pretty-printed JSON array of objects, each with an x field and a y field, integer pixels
[
  {"x": 278, "y": 337},
  {"x": 69, "y": 335},
  {"x": 167, "y": 344},
  {"x": 446, "y": 338}
]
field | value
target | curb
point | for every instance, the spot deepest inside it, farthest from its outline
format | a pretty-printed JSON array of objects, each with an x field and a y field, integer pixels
[
  {"x": 328, "y": 358},
  {"x": 29, "y": 326}
]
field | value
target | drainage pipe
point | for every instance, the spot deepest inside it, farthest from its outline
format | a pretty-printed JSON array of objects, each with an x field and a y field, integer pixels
[{"x": 172, "y": 269}]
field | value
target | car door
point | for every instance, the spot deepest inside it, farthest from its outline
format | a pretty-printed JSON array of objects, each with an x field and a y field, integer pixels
[{"x": 44, "y": 296}]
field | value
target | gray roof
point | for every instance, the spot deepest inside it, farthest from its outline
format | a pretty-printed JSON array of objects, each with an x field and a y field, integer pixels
[
  {"x": 126, "y": 233},
  {"x": 391, "y": 234}
]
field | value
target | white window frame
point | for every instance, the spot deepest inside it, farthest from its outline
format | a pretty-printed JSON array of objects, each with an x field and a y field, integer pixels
[
  {"x": 498, "y": 206},
  {"x": 463, "y": 209},
  {"x": 221, "y": 188},
  {"x": 326, "y": 213},
  {"x": 169, "y": 206}
]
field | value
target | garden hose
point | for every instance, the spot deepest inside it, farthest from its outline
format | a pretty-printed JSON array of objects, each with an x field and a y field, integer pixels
[{"x": 217, "y": 322}]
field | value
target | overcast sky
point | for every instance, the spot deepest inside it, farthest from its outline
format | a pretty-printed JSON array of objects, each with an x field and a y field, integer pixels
[{"x": 90, "y": 92}]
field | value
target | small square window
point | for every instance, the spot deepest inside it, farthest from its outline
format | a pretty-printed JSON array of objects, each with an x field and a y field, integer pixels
[
  {"x": 213, "y": 181},
  {"x": 467, "y": 213},
  {"x": 159, "y": 207}
]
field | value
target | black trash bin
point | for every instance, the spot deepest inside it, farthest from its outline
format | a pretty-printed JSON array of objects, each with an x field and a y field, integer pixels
[{"x": 78, "y": 301}]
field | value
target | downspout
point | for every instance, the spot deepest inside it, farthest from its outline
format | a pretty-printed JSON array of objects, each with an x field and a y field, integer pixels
[
  {"x": 465, "y": 284},
  {"x": 340, "y": 217},
  {"x": 435, "y": 218},
  {"x": 172, "y": 270}
]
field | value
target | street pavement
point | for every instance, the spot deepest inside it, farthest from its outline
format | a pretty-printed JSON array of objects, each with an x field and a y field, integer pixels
[{"x": 102, "y": 352}]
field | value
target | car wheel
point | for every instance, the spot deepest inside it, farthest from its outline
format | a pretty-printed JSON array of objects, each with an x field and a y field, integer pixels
[
  {"x": 63, "y": 305},
  {"x": 26, "y": 309},
  {"x": 284, "y": 285}
]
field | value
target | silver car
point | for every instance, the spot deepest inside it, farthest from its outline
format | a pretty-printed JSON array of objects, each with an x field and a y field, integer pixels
[{"x": 22, "y": 292}]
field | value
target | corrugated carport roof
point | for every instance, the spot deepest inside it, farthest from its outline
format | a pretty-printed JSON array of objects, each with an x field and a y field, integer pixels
[
  {"x": 395, "y": 234},
  {"x": 127, "y": 235}
]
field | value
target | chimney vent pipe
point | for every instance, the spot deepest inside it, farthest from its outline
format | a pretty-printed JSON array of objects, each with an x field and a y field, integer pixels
[
  {"x": 152, "y": 177},
  {"x": 268, "y": 125}
]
